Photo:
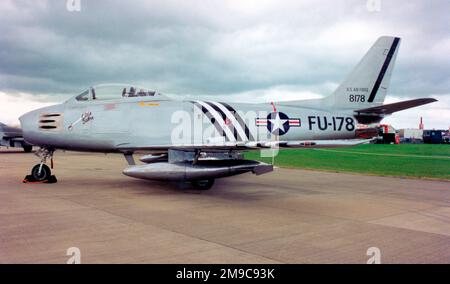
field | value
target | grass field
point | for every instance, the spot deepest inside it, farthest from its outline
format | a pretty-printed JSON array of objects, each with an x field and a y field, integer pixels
[{"x": 406, "y": 160}]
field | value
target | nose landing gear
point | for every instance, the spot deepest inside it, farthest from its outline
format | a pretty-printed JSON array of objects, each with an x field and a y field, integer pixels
[{"x": 41, "y": 173}]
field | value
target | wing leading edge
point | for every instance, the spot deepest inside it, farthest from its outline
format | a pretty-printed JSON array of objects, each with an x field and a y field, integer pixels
[{"x": 242, "y": 146}]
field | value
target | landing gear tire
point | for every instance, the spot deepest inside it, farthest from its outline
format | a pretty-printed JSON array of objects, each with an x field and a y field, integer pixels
[
  {"x": 45, "y": 173},
  {"x": 203, "y": 184}
]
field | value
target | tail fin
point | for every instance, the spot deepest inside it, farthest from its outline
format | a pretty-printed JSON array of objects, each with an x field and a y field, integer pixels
[
  {"x": 368, "y": 82},
  {"x": 365, "y": 88}
]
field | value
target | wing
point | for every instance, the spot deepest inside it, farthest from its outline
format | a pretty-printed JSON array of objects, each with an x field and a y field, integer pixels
[{"x": 243, "y": 146}]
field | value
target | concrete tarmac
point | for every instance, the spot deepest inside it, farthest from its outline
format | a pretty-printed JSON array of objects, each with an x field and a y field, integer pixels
[{"x": 288, "y": 216}]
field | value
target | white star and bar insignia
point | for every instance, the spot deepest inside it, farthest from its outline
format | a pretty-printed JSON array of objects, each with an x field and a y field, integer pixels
[{"x": 278, "y": 123}]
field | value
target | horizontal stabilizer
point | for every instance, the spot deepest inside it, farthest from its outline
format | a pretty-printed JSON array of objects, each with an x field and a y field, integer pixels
[{"x": 391, "y": 108}]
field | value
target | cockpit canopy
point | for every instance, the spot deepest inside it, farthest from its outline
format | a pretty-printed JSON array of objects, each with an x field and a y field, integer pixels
[{"x": 114, "y": 92}]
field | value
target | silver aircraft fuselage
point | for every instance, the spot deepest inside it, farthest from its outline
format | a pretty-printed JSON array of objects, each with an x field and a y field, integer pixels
[{"x": 139, "y": 123}]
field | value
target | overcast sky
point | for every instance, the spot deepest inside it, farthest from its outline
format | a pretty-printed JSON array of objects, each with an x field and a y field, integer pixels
[{"x": 247, "y": 50}]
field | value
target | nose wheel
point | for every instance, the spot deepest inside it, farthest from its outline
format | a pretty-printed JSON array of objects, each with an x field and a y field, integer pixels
[{"x": 41, "y": 173}]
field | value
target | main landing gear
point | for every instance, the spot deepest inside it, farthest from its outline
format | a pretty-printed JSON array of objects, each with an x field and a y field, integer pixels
[
  {"x": 41, "y": 173},
  {"x": 202, "y": 184}
]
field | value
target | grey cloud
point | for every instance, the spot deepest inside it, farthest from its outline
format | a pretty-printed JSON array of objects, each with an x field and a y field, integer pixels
[{"x": 217, "y": 47}]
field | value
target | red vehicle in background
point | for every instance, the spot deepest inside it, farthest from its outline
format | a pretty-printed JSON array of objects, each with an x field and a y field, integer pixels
[{"x": 388, "y": 135}]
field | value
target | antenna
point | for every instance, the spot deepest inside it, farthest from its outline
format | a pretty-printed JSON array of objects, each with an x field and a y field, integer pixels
[{"x": 421, "y": 124}]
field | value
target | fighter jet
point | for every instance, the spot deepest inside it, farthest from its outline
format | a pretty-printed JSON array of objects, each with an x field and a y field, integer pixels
[
  {"x": 12, "y": 137},
  {"x": 198, "y": 141}
]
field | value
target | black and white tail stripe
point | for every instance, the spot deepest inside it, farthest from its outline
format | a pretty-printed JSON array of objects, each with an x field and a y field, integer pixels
[
  {"x": 217, "y": 119},
  {"x": 238, "y": 130},
  {"x": 241, "y": 122},
  {"x": 221, "y": 114},
  {"x": 211, "y": 118},
  {"x": 383, "y": 70},
  {"x": 225, "y": 118}
]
